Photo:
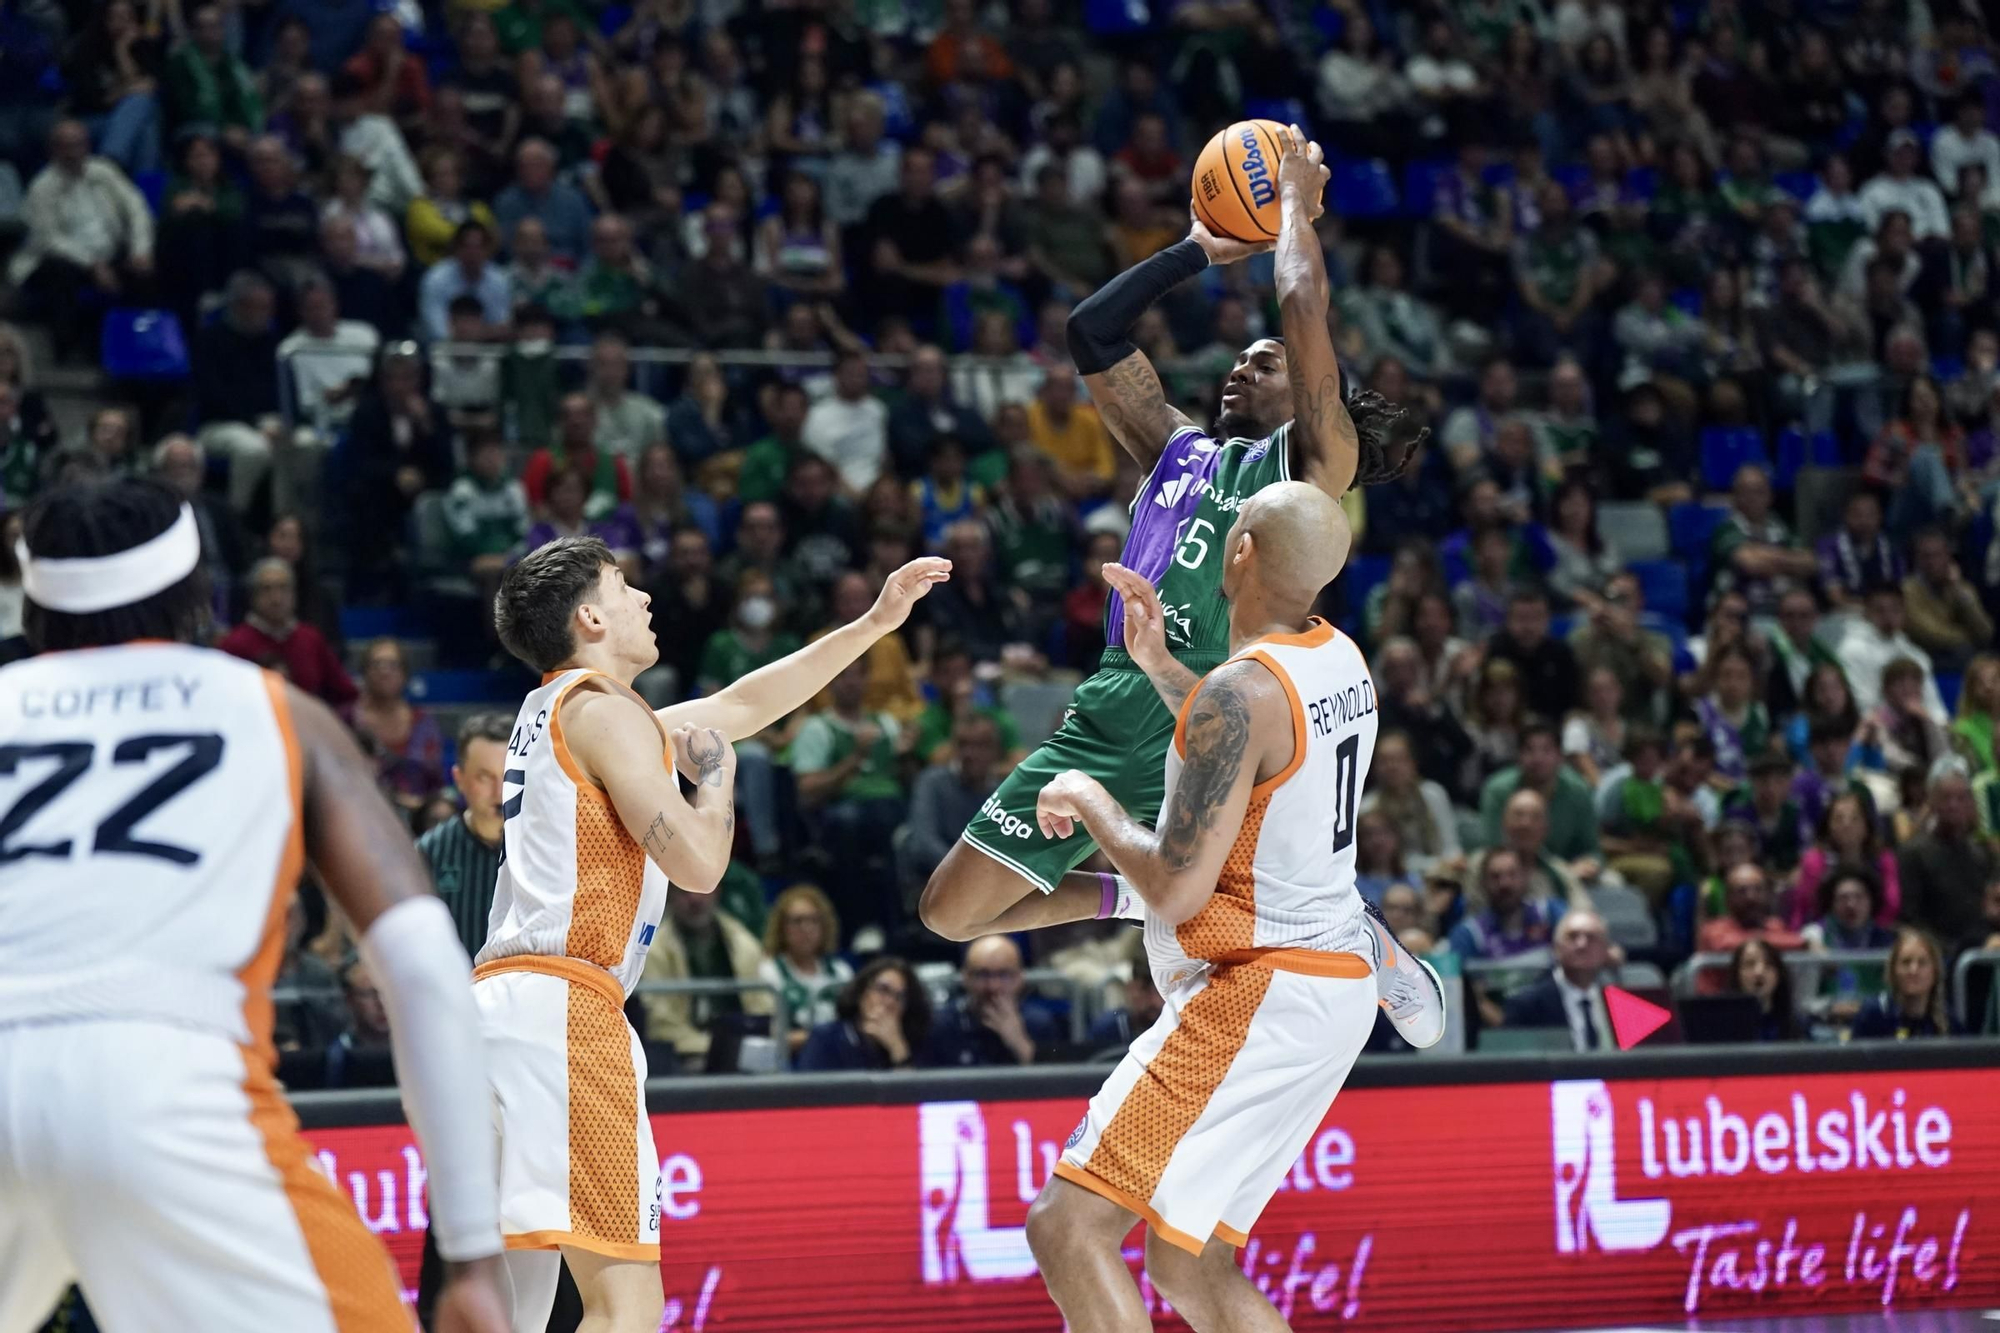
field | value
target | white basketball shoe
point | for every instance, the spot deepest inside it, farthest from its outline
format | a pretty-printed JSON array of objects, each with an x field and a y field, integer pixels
[{"x": 1407, "y": 987}]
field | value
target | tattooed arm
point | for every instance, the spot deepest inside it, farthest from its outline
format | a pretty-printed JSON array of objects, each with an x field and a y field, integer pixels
[
  {"x": 618, "y": 749},
  {"x": 1325, "y": 450},
  {"x": 1238, "y": 730},
  {"x": 1134, "y": 406}
]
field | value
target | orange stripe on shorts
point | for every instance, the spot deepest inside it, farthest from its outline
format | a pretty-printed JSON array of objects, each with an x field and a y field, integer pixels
[
  {"x": 1170, "y": 1096},
  {"x": 603, "y": 1122}
]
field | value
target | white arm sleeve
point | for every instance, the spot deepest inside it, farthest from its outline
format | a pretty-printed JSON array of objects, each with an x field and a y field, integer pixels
[{"x": 426, "y": 980}]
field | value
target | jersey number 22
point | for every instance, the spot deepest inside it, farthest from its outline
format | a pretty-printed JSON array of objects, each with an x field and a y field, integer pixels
[{"x": 114, "y": 832}]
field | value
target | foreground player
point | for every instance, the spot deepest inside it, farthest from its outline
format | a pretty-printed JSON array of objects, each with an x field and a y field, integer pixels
[
  {"x": 594, "y": 828},
  {"x": 1257, "y": 940},
  {"x": 160, "y": 803},
  {"x": 1282, "y": 418}
]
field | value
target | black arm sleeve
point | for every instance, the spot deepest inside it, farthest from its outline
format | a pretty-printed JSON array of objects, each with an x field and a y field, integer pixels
[{"x": 1098, "y": 326}]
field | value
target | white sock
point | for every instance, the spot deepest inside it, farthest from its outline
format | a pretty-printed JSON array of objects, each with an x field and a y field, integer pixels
[{"x": 1131, "y": 907}]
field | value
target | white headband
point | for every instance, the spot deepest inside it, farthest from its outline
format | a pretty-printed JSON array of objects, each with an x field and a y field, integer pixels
[{"x": 100, "y": 582}]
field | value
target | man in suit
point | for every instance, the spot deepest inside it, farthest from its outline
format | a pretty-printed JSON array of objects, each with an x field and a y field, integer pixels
[{"x": 1572, "y": 994}]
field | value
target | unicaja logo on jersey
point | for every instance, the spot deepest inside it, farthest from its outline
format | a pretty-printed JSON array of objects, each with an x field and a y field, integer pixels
[
  {"x": 1173, "y": 492},
  {"x": 1256, "y": 174},
  {"x": 1589, "y": 1213}
]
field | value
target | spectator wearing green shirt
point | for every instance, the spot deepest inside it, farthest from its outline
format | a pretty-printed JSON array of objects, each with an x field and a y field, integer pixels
[
  {"x": 1558, "y": 272},
  {"x": 1034, "y": 532},
  {"x": 520, "y": 24},
  {"x": 1753, "y": 552},
  {"x": 485, "y": 513},
  {"x": 751, "y": 640},
  {"x": 1572, "y": 816},
  {"x": 848, "y": 762},
  {"x": 956, "y": 693},
  {"x": 767, "y": 462},
  {"x": 207, "y": 85}
]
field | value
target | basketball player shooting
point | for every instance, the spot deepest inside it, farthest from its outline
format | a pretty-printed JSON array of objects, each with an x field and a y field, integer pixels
[
  {"x": 161, "y": 801},
  {"x": 594, "y": 828},
  {"x": 1283, "y": 417},
  {"x": 1256, "y": 937}
]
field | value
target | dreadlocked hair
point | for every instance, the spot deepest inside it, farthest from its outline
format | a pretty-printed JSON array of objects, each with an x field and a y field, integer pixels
[{"x": 1387, "y": 435}]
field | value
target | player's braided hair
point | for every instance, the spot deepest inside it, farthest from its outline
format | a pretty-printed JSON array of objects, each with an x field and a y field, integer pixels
[{"x": 1388, "y": 437}]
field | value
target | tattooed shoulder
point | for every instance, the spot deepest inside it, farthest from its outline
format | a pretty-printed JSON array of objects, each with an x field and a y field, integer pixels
[{"x": 1218, "y": 745}]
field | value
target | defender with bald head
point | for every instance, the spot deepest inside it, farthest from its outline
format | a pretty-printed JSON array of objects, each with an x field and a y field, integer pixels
[{"x": 1256, "y": 934}]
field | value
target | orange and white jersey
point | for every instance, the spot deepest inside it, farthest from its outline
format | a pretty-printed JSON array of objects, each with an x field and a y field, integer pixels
[
  {"x": 573, "y": 883},
  {"x": 1289, "y": 882},
  {"x": 150, "y": 837}
]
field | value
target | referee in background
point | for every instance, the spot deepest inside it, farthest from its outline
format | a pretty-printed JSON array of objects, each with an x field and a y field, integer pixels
[
  {"x": 464, "y": 853},
  {"x": 464, "y": 857}
]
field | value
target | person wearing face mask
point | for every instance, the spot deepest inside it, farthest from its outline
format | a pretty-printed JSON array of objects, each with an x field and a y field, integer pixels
[{"x": 750, "y": 640}]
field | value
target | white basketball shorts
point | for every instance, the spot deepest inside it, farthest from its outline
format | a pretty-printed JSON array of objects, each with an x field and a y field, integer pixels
[
  {"x": 1206, "y": 1113},
  {"x": 577, "y": 1162},
  {"x": 160, "y": 1168}
]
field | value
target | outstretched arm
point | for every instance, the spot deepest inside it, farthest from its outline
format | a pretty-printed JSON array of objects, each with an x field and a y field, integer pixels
[
  {"x": 1239, "y": 719},
  {"x": 1146, "y": 637},
  {"x": 1122, "y": 382},
  {"x": 767, "y": 694},
  {"x": 1325, "y": 450}
]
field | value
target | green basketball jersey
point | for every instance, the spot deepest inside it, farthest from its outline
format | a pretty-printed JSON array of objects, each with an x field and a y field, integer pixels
[{"x": 1179, "y": 520}]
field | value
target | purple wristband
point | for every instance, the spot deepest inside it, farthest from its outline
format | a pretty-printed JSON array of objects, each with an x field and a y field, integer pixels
[{"x": 1108, "y": 902}]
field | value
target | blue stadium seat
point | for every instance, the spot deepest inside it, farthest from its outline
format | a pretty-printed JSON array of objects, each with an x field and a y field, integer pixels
[
  {"x": 1665, "y": 585},
  {"x": 1643, "y": 182},
  {"x": 1284, "y": 110},
  {"x": 1796, "y": 451},
  {"x": 153, "y": 186},
  {"x": 143, "y": 345},
  {"x": 462, "y": 687},
  {"x": 1361, "y": 577},
  {"x": 1724, "y": 449},
  {"x": 1688, "y": 299},
  {"x": 1364, "y": 189},
  {"x": 1420, "y": 186},
  {"x": 1949, "y": 683},
  {"x": 1798, "y": 184},
  {"x": 1572, "y": 176},
  {"x": 1692, "y": 525}
]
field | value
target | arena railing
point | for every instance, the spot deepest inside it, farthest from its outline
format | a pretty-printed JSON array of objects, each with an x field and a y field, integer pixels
[
  {"x": 1803, "y": 964},
  {"x": 1961, "y": 973},
  {"x": 381, "y": 1106}
]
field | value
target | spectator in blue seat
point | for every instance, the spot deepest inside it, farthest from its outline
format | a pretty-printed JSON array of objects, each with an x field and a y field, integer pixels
[
  {"x": 1914, "y": 1004},
  {"x": 986, "y": 1025},
  {"x": 470, "y": 271},
  {"x": 562, "y": 210},
  {"x": 884, "y": 1021}
]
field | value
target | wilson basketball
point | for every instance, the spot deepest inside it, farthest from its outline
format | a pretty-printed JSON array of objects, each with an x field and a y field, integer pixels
[{"x": 1236, "y": 181}]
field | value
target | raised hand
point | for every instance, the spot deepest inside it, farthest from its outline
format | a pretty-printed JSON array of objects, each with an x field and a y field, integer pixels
[
  {"x": 1302, "y": 168},
  {"x": 1145, "y": 620},
  {"x": 905, "y": 588},
  {"x": 1222, "y": 249}
]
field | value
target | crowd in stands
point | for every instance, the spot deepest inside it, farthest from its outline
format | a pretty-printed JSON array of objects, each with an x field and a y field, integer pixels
[{"x": 1681, "y": 624}]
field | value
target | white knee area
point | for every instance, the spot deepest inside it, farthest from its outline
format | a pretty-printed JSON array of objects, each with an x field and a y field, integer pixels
[{"x": 530, "y": 1289}]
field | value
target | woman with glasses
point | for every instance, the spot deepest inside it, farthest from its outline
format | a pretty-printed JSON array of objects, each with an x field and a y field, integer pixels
[
  {"x": 884, "y": 1018},
  {"x": 799, "y": 937}
]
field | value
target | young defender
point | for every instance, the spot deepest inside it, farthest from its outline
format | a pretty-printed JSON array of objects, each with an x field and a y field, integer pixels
[{"x": 594, "y": 826}]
